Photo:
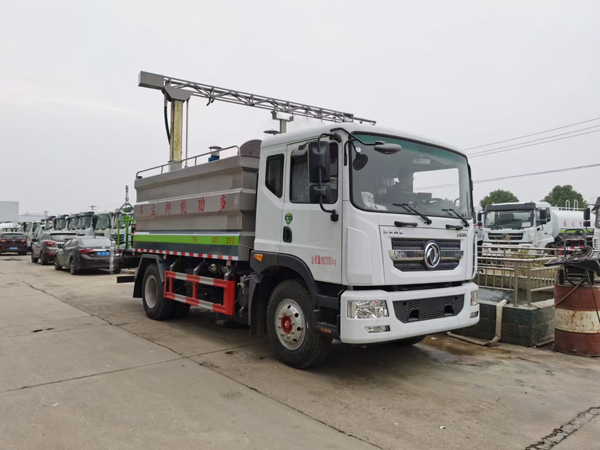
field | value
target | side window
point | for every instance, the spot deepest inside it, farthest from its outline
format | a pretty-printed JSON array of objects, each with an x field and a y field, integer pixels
[
  {"x": 274, "y": 175},
  {"x": 548, "y": 215},
  {"x": 299, "y": 181}
]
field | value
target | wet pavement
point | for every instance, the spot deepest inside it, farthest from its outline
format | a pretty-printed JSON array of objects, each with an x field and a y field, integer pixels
[{"x": 81, "y": 366}]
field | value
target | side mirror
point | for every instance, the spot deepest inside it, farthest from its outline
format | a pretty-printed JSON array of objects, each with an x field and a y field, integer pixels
[
  {"x": 586, "y": 218},
  {"x": 479, "y": 218},
  {"x": 320, "y": 193},
  {"x": 360, "y": 161},
  {"x": 319, "y": 162}
]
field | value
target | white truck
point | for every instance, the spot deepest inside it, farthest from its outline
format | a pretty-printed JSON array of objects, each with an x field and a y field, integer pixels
[
  {"x": 345, "y": 231},
  {"x": 530, "y": 224}
]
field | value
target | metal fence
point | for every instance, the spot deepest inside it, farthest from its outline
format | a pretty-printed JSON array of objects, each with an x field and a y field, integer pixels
[{"x": 516, "y": 270}]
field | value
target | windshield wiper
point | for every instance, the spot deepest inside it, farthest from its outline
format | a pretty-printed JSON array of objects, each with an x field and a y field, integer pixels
[
  {"x": 457, "y": 215},
  {"x": 409, "y": 208}
]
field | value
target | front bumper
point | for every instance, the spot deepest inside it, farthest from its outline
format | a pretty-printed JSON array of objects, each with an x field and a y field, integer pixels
[{"x": 354, "y": 331}]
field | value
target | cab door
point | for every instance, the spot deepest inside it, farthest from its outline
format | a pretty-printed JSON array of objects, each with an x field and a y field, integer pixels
[{"x": 307, "y": 232}]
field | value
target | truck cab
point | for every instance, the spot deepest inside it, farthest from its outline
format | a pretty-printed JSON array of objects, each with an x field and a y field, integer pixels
[
  {"x": 531, "y": 225},
  {"x": 85, "y": 224},
  {"x": 61, "y": 222},
  {"x": 391, "y": 239},
  {"x": 103, "y": 223},
  {"x": 521, "y": 224}
]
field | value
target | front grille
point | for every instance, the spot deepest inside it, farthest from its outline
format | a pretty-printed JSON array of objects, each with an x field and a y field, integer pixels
[
  {"x": 409, "y": 254},
  {"x": 405, "y": 244},
  {"x": 505, "y": 237},
  {"x": 428, "y": 308}
]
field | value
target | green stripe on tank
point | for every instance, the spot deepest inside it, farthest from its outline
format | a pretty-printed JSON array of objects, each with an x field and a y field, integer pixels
[{"x": 187, "y": 239}]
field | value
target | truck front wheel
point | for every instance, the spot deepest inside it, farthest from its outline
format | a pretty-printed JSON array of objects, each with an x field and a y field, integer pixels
[
  {"x": 155, "y": 304},
  {"x": 292, "y": 328}
]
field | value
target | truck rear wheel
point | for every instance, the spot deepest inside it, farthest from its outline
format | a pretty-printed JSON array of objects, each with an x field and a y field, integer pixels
[
  {"x": 292, "y": 328},
  {"x": 155, "y": 304}
]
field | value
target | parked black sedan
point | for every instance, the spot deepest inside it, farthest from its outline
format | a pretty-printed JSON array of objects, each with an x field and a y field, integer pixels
[
  {"x": 13, "y": 242},
  {"x": 84, "y": 252},
  {"x": 45, "y": 246}
]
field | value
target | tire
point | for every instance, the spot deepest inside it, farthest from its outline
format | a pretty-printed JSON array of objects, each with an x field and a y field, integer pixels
[
  {"x": 155, "y": 305},
  {"x": 33, "y": 258},
  {"x": 291, "y": 327},
  {"x": 56, "y": 265},
  {"x": 180, "y": 310},
  {"x": 73, "y": 267},
  {"x": 410, "y": 341},
  {"x": 43, "y": 259}
]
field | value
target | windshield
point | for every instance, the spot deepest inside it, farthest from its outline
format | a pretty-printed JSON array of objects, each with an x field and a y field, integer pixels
[
  {"x": 73, "y": 223},
  {"x": 514, "y": 219},
  {"x": 12, "y": 236},
  {"x": 84, "y": 222},
  {"x": 429, "y": 179},
  {"x": 61, "y": 224},
  {"x": 103, "y": 222}
]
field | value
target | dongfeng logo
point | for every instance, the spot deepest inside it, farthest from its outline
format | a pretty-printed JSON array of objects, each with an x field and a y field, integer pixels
[{"x": 432, "y": 255}]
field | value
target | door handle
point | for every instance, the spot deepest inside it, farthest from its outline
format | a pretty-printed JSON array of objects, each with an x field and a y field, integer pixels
[{"x": 287, "y": 234}]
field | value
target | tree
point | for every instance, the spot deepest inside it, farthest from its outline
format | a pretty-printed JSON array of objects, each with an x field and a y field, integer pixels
[
  {"x": 559, "y": 195},
  {"x": 498, "y": 196}
]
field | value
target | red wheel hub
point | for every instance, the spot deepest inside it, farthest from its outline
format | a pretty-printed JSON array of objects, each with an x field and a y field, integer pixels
[{"x": 286, "y": 324}]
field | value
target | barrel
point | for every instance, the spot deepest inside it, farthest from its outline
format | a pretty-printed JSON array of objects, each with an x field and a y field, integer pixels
[{"x": 577, "y": 325}]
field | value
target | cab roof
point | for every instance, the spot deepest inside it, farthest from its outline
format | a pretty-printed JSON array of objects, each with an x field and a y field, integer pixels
[{"x": 310, "y": 132}]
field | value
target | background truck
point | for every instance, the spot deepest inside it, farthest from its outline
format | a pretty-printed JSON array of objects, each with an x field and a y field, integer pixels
[
  {"x": 61, "y": 222},
  {"x": 532, "y": 224},
  {"x": 345, "y": 231},
  {"x": 85, "y": 223}
]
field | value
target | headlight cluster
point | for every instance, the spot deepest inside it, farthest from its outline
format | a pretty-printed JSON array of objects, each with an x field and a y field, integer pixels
[
  {"x": 473, "y": 298},
  {"x": 367, "y": 309}
]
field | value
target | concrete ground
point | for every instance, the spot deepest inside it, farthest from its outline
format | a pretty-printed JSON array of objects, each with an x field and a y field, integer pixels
[{"x": 81, "y": 366}]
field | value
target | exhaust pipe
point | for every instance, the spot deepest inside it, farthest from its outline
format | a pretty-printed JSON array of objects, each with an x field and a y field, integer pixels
[{"x": 496, "y": 338}]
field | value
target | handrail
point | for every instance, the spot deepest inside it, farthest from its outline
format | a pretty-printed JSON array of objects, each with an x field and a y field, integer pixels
[
  {"x": 195, "y": 158},
  {"x": 516, "y": 274}
]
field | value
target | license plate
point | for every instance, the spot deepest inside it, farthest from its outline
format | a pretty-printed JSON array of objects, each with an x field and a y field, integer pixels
[
  {"x": 13, "y": 248},
  {"x": 103, "y": 253}
]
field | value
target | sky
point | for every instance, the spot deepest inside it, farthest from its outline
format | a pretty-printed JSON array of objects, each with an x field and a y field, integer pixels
[{"x": 75, "y": 128}]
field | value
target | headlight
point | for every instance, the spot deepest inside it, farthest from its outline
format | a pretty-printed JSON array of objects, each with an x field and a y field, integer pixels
[
  {"x": 367, "y": 309},
  {"x": 473, "y": 298}
]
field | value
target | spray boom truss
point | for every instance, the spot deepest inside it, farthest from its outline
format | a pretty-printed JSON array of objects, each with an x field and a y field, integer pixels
[{"x": 214, "y": 93}]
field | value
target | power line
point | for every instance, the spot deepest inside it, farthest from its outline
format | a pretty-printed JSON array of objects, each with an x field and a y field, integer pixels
[
  {"x": 566, "y": 169},
  {"x": 533, "y": 134},
  {"x": 482, "y": 152},
  {"x": 477, "y": 155}
]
